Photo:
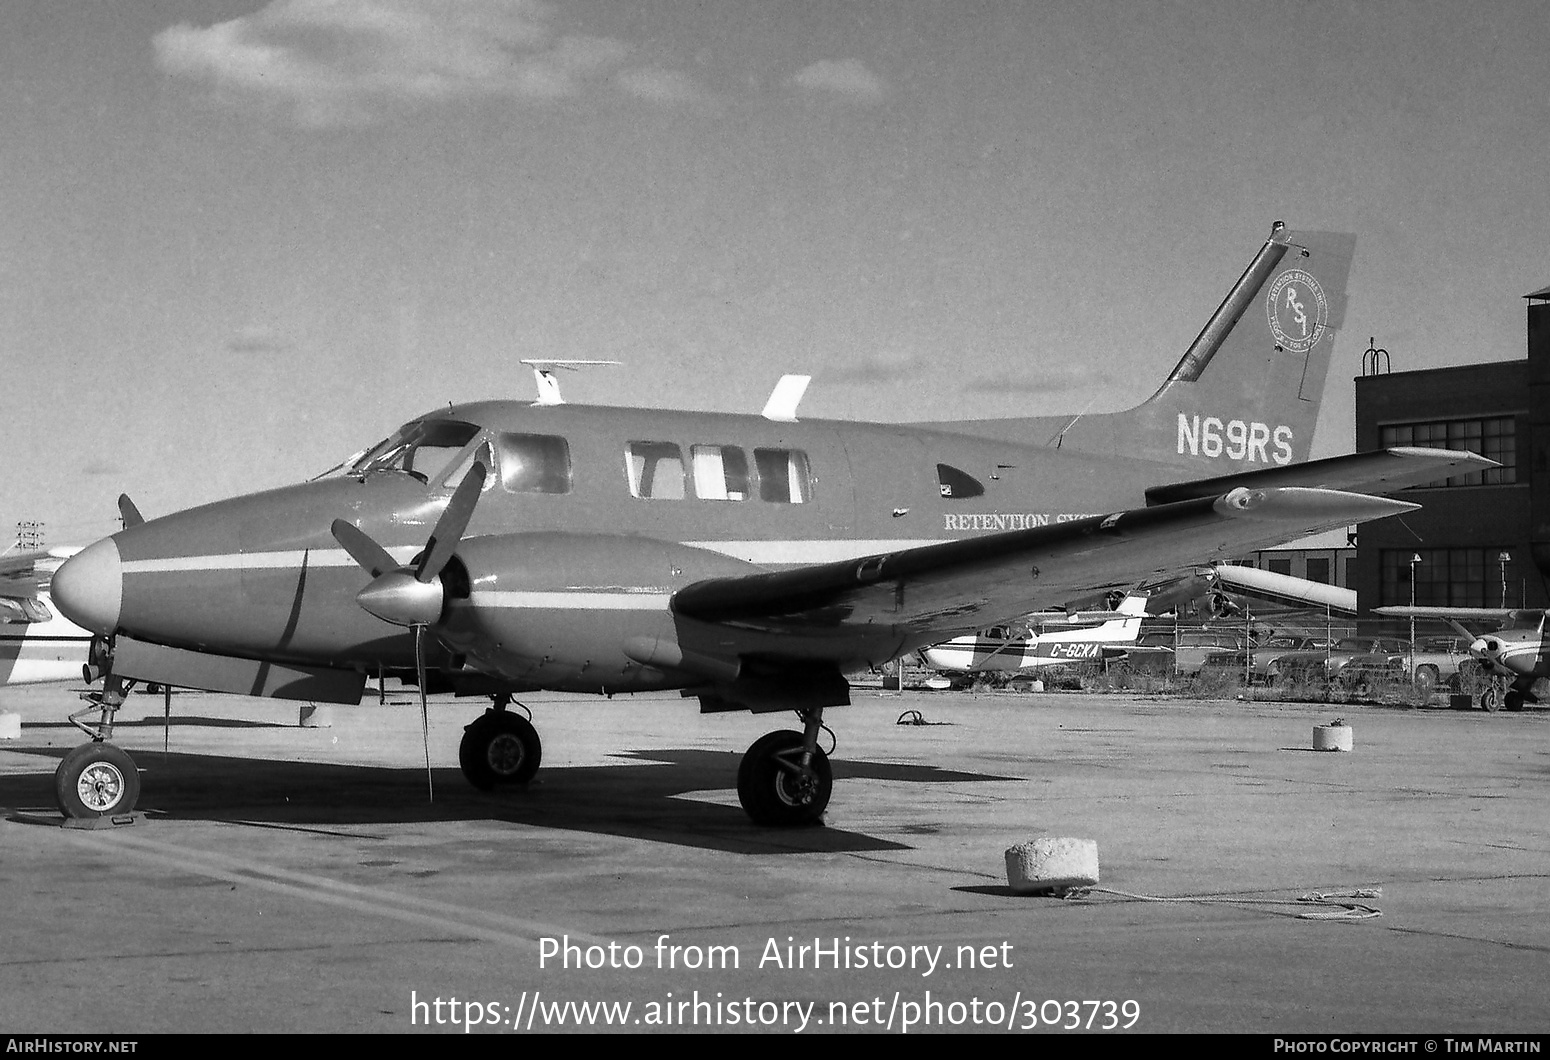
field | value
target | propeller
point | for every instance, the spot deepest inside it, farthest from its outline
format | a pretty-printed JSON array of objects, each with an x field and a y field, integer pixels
[{"x": 414, "y": 596}]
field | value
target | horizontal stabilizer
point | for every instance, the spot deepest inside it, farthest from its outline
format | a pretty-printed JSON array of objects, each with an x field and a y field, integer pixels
[
  {"x": 1286, "y": 587},
  {"x": 1378, "y": 471}
]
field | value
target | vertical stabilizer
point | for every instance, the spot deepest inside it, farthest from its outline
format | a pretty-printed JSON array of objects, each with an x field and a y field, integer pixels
[{"x": 1246, "y": 393}]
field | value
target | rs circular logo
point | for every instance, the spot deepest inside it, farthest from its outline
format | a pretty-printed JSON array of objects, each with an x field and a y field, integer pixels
[{"x": 1297, "y": 309}]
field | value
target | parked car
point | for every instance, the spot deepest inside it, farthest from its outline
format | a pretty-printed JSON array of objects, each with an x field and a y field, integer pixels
[
  {"x": 1183, "y": 651},
  {"x": 1319, "y": 666},
  {"x": 1437, "y": 662},
  {"x": 1257, "y": 660}
]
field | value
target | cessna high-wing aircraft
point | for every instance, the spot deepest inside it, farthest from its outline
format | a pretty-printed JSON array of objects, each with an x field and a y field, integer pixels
[
  {"x": 1045, "y": 640},
  {"x": 36, "y": 643},
  {"x": 1519, "y": 651},
  {"x": 749, "y": 561}
]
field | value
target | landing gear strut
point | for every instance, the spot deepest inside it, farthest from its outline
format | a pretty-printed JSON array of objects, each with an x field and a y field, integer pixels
[
  {"x": 785, "y": 779},
  {"x": 98, "y": 779},
  {"x": 499, "y": 748}
]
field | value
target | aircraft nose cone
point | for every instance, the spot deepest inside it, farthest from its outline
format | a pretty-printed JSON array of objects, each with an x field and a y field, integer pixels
[
  {"x": 89, "y": 587},
  {"x": 1479, "y": 648}
]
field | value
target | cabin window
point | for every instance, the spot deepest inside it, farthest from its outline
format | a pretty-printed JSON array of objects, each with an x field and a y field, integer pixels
[
  {"x": 784, "y": 476},
  {"x": 534, "y": 463},
  {"x": 720, "y": 472},
  {"x": 656, "y": 470},
  {"x": 955, "y": 484}
]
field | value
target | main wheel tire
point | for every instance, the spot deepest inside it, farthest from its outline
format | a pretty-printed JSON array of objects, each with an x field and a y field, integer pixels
[
  {"x": 499, "y": 748},
  {"x": 96, "y": 780},
  {"x": 773, "y": 792},
  {"x": 1513, "y": 701}
]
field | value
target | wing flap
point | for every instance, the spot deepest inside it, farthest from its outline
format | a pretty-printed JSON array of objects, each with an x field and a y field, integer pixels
[
  {"x": 970, "y": 584},
  {"x": 1378, "y": 471}
]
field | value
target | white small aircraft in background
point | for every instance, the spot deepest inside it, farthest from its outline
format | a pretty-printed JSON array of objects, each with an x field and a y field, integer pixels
[
  {"x": 1060, "y": 638},
  {"x": 36, "y": 643},
  {"x": 1517, "y": 652}
]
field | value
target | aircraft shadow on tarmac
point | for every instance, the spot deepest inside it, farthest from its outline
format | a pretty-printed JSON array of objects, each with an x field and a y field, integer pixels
[{"x": 636, "y": 799}]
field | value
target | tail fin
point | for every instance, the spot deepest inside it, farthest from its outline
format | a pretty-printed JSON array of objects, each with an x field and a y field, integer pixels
[{"x": 1246, "y": 393}]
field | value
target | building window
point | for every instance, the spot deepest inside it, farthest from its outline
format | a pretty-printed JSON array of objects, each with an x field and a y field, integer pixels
[
  {"x": 1279, "y": 566},
  {"x": 1445, "y": 577},
  {"x": 1494, "y": 438},
  {"x": 1318, "y": 571}
]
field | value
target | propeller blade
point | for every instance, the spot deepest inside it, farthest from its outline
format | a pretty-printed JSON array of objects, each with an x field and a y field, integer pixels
[
  {"x": 128, "y": 512},
  {"x": 425, "y": 715},
  {"x": 372, "y": 557},
  {"x": 449, "y": 529}
]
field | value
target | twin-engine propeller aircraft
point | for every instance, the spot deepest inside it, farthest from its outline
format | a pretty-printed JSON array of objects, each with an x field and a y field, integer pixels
[
  {"x": 1518, "y": 651},
  {"x": 749, "y": 561}
]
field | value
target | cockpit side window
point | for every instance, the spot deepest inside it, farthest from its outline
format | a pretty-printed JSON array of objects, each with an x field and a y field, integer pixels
[
  {"x": 534, "y": 463},
  {"x": 656, "y": 470}
]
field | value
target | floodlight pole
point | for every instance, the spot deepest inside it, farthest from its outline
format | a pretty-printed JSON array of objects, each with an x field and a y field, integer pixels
[
  {"x": 1502, "y": 558},
  {"x": 1415, "y": 557}
]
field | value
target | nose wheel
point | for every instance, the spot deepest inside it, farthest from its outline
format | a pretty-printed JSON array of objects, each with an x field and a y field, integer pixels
[{"x": 96, "y": 780}]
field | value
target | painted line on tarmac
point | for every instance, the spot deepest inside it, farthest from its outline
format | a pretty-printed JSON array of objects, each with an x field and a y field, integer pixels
[{"x": 410, "y": 909}]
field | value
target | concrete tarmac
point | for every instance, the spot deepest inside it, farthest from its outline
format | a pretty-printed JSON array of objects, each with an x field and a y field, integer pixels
[{"x": 300, "y": 879}]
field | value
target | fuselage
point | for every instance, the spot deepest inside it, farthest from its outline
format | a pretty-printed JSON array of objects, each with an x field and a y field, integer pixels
[{"x": 591, "y": 518}]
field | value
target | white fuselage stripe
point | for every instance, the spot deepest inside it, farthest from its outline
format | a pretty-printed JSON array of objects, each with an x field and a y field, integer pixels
[
  {"x": 760, "y": 552},
  {"x": 570, "y": 601}
]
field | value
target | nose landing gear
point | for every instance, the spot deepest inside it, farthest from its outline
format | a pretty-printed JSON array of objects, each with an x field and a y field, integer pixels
[{"x": 98, "y": 779}]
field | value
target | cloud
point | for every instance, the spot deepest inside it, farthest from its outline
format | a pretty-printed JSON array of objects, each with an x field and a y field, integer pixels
[
  {"x": 1044, "y": 379},
  {"x": 885, "y": 367},
  {"x": 257, "y": 340},
  {"x": 898, "y": 367},
  {"x": 662, "y": 86},
  {"x": 97, "y": 467},
  {"x": 343, "y": 62},
  {"x": 844, "y": 77}
]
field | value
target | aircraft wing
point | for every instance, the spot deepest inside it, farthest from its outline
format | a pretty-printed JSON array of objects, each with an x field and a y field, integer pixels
[
  {"x": 1378, "y": 471},
  {"x": 1505, "y": 617},
  {"x": 970, "y": 584}
]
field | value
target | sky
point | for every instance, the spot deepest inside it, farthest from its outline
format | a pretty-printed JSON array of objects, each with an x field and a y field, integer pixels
[{"x": 243, "y": 240}]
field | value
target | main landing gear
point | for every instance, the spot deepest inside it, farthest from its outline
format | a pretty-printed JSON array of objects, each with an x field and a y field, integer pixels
[
  {"x": 499, "y": 748},
  {"x": 785, "y": 779},
  {"x": 98, "y": 779}
]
